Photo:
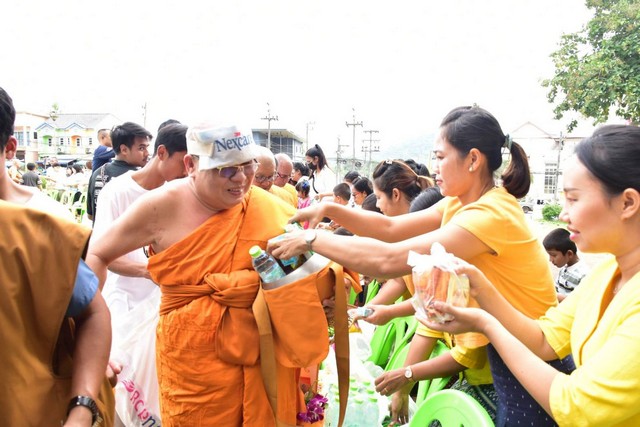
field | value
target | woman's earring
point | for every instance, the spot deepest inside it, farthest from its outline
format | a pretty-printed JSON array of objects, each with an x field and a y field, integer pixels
[{"x": 470, "y": 168}]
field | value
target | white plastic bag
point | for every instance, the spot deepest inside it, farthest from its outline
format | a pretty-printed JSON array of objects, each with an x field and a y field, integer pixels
[
  {"x": 434, "y": 279},
  {"x": 137, "y": 402}
]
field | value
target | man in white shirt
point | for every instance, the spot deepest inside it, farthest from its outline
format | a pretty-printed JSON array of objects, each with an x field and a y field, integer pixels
[{"x": 129, "y": 292}]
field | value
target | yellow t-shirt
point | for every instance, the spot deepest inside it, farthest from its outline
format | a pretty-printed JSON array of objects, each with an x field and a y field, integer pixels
[
  {"x": 411, "y": 289},
  {"x": 518, "y": 266},
  {"x": 475, "y": 359},
  {"x": 605, "y": 387}
]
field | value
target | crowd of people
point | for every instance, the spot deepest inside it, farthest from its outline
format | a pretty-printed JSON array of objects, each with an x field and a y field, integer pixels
[{"x": 165, "y": 280}]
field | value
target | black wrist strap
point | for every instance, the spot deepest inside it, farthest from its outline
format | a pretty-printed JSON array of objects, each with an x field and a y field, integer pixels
[{"x": 87, "y": 402}]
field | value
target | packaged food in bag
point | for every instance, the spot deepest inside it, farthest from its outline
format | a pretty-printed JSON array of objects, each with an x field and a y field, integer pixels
[{"x": 435, "y": 280}]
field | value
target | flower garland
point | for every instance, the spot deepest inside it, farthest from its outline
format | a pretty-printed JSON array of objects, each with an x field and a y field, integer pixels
[{"x": 316, "y": 404}]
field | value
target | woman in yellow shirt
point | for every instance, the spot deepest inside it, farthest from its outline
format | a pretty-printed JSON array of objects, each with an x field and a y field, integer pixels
[
  {"x": 599, "y": 322},
  {"x": 476, "y": 221}
]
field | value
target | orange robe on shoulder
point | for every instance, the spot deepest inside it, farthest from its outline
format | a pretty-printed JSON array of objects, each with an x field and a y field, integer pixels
[
  {"x": 207, "y": 338},
  {"x": 39, "y": 256}
]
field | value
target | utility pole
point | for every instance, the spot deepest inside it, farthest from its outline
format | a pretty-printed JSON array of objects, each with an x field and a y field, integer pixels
[
  {"x": 560, "y": 143},
  {"x": 354, "y": 124},
  {"x": 269, "y": 118},
  {"x": 338, "y": 159},
  {"x": 370, "y": 148},
  {"x": 144, "y": 115},
  {"x": 306, "y": 141}
]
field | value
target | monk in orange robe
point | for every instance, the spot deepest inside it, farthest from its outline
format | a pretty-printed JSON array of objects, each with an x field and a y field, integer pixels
[
  {"x": 200, "y": 230},
  {"x": 55, "y": 331}
]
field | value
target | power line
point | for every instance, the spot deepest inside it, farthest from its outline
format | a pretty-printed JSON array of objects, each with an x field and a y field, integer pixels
[
  {"x": 269, "y": 118},
  {"x": 369, "y": 148},
  {"x": 338, "y": 159},
  {"x": 354, "y": 124}
]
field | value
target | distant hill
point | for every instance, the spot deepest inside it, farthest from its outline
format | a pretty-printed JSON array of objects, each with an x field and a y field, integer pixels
[{"x": 418, "y": 149}]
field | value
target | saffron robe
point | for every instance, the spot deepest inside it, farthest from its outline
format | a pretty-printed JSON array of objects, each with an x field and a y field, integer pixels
[
  {"x": 285, "y": 194},
  {"x": 39, "y": 256},
  {"x": 207, "y": 338}
]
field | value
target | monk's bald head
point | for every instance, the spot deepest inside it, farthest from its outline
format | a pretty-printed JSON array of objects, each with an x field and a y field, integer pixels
[
  {"x": 266, "y": 169},
  {"x": 284, "y": 168}
]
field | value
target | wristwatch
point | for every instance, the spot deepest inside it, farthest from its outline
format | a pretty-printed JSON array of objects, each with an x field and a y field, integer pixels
[
  {"x": 310, "y": 237},
  {"x": 87, "y": 402},
  {"x": 408, "y": 373}
]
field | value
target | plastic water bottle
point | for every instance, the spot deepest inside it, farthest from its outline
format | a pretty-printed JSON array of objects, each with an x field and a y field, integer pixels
[
  {"x": 372, "y": 412},
  {"x": 266, "y": 265},
  {"x": 333, "y": 412}
]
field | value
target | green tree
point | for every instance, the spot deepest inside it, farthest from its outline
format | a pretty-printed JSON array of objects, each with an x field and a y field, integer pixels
[
  {"x": 598, "y": 68},
  {"x": 55, "y": 111}
]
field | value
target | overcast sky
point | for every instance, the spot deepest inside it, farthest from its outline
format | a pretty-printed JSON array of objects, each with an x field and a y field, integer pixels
[{"x": 402, "y": 65}]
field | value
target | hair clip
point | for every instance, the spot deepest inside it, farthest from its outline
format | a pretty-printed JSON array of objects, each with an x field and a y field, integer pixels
[{"x": 507, "y": 142}]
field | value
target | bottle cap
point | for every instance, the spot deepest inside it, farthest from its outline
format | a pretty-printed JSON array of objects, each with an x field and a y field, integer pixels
[{"x": 255, "y": 251}]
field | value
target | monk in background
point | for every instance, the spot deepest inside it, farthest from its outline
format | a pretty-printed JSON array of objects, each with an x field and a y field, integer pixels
[{"x": 199, "y": 230}]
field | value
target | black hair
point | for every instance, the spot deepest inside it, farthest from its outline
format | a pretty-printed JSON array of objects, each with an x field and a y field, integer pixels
[
  {"x": 426, "y": 199},
  {"x": 167, "y": 123},
  {"x": 473, "y": 127},
  {"x": 341, "y": 231},
  {"x": 174, "y": 138},
  {"x": 342, "y": 190},
  {"x": 316, "y": 151},
  {"x": 418, "y": 168},
  {"x": 31, "y": 166},
  {"x": 370, "y": 203},
  {"x": 126, "y": 133},
  {"x": 612, "y": 156},
  {"x": 304, "y": 169},
  {"x": 7, "y": 118},
  {"x": 390, "y": 174},
  {"x": 304, "y": 187},
  {"x": 77, "y": 167},
  {"x": 558, "y": 240},
  {"x": 351, "y": 176},
  {"x": 363, "y": 185}
]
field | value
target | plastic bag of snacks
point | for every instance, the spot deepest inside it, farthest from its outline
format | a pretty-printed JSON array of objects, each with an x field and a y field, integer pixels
[{"x": 435, "y": 280}]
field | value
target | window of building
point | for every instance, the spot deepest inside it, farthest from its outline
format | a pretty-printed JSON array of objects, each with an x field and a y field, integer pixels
[
  {"x": 78, "y": 142},
  {"x": 90, "y": 141},
  {"x": 50, "y": 141},
  {"x": 550, "y": 178},
  {"x": 61, "y": 141}
]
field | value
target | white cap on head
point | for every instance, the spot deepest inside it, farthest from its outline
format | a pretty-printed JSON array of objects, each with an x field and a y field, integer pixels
[{"x": 220, "y": 146}]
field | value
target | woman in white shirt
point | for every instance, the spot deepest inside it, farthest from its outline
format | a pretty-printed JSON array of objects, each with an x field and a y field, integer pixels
[{"x": 323, "y": 179}]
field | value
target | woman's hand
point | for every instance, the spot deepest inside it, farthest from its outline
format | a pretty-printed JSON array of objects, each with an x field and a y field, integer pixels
[
  {"x": 399, "y": 408},
  {"x": 478, "y": 282},
  {"x": 313, "y": 214},
  {"x": 465, "y": 319},
  {"x": 287, "y": 245},
  {"x": 381, "y": 314},
  {"x": 390, "y": 382}
]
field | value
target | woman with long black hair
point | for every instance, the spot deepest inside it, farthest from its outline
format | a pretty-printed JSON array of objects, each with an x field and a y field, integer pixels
[{"x": 323, "y": 179}]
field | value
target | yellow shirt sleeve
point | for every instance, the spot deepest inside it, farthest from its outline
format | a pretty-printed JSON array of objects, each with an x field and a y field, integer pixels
[
  {"x": 475, "y": 359},
  {"x": 603, "y": 390}
]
